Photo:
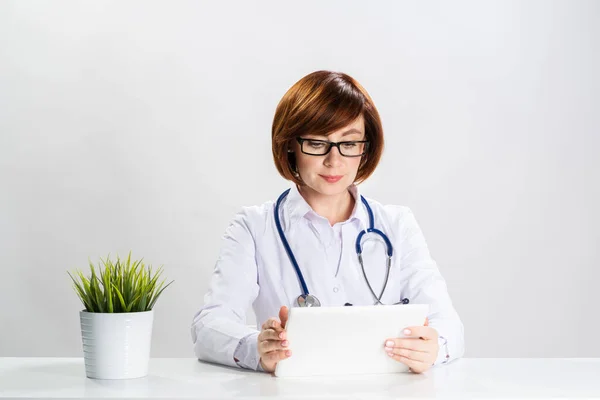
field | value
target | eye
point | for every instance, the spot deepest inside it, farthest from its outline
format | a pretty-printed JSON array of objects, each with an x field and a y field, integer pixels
[
  {"x": 349, "y": 145},
  {"x": 315, "y": 144}
]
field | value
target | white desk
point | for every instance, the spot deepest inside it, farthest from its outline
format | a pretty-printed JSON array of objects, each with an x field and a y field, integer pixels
[{"x": 172, "y": 378}]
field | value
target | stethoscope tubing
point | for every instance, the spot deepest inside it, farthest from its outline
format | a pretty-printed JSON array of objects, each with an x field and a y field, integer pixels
[{"x": 287, "y": 246}]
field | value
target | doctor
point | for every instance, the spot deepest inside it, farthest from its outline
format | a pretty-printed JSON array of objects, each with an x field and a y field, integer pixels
[{"x": 306, "y": 248}]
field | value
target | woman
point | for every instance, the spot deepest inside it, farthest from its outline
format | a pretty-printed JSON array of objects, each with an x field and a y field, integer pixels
[{"x": 327, "y": 138}]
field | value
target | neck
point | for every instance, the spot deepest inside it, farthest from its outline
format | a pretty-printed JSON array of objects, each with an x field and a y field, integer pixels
[{"x": 336, "y": 208}]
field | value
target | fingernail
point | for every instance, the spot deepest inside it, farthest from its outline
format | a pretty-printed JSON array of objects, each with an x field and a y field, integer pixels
[
  {"x": 389, "y": 343},
  {"x": 388, "y": 349},
  {"x": 288, "y": 353},
  {"x": 391, "y": 354},
  {"x": 284, "y": 343},
  {"x": 407, "y": 331},
  {"x": 281, "y": 335}
]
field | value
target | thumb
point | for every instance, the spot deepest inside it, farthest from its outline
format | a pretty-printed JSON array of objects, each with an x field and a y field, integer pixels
[
  {"x": 283, "y": 315},
  {"x": 426, "y": 321}
]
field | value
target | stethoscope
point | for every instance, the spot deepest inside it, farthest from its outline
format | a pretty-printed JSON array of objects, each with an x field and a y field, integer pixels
[{"x": 309, "y": 300}]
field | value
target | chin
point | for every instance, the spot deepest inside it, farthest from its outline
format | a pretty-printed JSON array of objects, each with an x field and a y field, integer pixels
[{"x": 331, "y": 188}]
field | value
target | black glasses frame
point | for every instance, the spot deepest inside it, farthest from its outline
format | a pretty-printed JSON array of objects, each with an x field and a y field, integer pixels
[{"x": 332, "y": 144}]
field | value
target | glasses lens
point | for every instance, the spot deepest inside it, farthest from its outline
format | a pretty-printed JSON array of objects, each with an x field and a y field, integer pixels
[
  {"x": 315, "y": 147},
  {"x": 352, "y": 149}
]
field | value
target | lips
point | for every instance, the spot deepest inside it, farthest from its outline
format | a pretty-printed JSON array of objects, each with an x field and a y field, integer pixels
[{"x": 331, "y": 178}]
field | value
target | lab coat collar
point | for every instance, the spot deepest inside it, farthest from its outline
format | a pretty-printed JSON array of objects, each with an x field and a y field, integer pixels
[{"x": 296, "y": 207}]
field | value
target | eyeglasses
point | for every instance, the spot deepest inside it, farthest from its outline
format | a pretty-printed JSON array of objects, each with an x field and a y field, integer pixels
[{"x": 312, "y": 147}]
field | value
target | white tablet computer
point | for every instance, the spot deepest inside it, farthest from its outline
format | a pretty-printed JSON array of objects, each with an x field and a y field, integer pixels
[{"x": 346, "y": 340}]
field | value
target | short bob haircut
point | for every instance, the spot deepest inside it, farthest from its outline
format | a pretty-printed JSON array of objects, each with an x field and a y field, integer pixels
[{"x": 319, "y": 104}]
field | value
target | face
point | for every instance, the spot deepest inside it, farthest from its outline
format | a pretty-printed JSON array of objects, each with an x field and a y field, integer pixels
[{"x": 314, "y": 170}]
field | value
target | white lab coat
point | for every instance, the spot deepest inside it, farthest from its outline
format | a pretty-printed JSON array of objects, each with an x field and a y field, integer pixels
[{"x": 254, "y": 270}]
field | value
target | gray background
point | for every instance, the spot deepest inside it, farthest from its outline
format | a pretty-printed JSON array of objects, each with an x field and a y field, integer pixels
[{"x": 146, "y": 125}]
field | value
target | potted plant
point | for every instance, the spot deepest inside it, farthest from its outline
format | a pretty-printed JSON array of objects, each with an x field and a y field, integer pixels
[{"x": 116, "y": 324}]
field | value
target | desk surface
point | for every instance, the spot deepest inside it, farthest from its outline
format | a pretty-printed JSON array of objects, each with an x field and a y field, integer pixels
[{"x": 172, "y": 378}]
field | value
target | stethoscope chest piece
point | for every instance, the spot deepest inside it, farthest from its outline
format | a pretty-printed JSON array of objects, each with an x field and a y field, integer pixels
[{"x": 308, "y": 300}]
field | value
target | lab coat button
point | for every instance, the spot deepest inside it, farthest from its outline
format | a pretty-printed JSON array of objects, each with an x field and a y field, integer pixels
[{"x": 335, "y": 289}]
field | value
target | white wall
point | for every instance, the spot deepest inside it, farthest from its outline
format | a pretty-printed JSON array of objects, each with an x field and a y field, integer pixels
[{"x": 145, "y": 125}]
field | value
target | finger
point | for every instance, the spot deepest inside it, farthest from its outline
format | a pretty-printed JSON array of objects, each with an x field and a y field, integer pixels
[
  {"x": 426, "y": 321},
  {"x": 410, "y": 354},
  {"x": 277, "y": 355},
  {"x": 415, "y": 366},
  {"x": 425, "y": 332},
  {"x": 271, "y": 345},
  {"x": 271, "y": 334},
  {"x": 414, "y": 344},
  {"x": 267, "y": 324},
  {"x": 283, "y": 315},
  {"x": 272, "y": 323}
]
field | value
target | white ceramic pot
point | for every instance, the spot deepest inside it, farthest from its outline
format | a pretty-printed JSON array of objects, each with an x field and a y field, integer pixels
[{"x": 116, "y": 345}]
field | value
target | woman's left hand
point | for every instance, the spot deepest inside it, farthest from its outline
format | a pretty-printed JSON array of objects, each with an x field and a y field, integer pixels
[{"x": 418, "y": 352}]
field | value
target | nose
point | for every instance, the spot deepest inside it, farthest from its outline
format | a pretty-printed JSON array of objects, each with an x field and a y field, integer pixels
[{"x": 334, "y": 157}]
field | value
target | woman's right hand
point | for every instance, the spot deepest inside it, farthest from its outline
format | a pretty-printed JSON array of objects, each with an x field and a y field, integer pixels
[{"x": 272, "y": 341}]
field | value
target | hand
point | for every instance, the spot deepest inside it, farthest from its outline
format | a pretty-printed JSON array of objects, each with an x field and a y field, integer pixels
[
  {"x": 419, "y": 352},
  {"x": 272, "y": 343}
]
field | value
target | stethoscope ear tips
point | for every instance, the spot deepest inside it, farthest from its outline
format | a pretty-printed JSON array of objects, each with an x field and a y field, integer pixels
[{"x": 405, "y": 301}]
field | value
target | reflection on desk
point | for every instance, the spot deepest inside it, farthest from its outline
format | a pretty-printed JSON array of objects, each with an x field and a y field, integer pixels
[{"x": 171, "y": 378}]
